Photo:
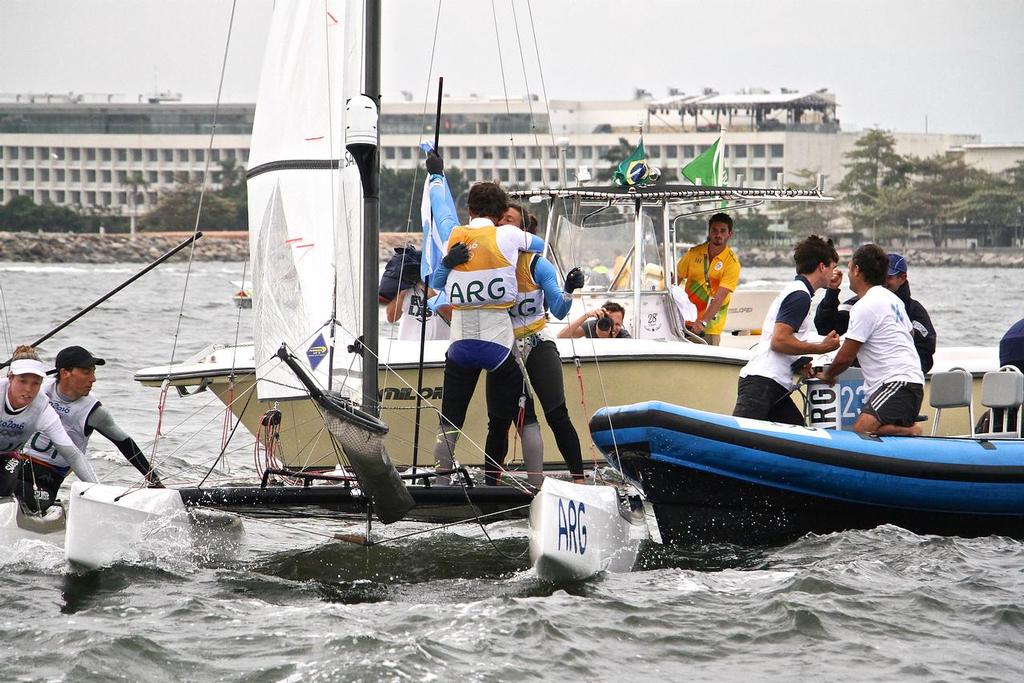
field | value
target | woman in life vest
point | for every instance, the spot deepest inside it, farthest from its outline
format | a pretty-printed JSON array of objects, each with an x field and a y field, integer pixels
[
  {"x": 478, "y": 275},
  {"x": 24, "y": 413},
  {"x": 539, "y": 291}
]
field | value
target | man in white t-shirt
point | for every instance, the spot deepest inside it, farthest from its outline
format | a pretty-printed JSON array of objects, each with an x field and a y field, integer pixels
[{"x": 880, "y": 338}]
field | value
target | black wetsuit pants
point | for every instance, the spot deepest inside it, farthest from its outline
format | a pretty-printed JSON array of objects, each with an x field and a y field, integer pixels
[
  {"x": 504, "y": 387},
  {"x": 544, "y": 366}
]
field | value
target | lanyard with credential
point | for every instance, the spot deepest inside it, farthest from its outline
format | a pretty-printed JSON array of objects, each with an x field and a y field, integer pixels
[{"x": 707, "y": 270}]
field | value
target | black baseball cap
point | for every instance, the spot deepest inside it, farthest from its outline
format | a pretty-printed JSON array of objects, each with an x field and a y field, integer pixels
[{"x": 75, "y": 357}]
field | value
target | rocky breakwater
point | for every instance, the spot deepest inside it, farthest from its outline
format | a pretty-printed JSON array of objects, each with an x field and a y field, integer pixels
[{"x": 62, "y": 247}]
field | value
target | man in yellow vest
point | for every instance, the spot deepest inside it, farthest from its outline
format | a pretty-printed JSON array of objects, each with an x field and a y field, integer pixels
[
  {"x": 478, "y": 274},
  {"x": 709, "y": 273}
]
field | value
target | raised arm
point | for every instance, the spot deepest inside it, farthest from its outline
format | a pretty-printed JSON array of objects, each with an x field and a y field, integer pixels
[{"x": 557, "y": 297}]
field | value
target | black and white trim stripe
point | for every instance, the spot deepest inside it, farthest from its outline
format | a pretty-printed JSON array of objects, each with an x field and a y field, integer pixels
[{"x": 888, "y": 390}]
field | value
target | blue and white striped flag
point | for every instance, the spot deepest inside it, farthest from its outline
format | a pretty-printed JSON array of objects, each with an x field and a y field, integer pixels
[{"x": 434, "y": 243}]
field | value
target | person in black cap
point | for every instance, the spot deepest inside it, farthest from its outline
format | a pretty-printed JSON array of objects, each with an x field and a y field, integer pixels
[
  {"x": 70, "y": 394},
  {"x": 832, "y": 315}
]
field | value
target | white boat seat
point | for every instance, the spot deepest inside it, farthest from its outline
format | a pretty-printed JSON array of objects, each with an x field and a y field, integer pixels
[
  {"x": 1002, "y": 392},
  {"x": 950, "y": 389}
]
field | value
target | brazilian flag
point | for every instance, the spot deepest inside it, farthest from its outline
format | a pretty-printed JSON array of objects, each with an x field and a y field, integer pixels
[{"x": 635, "y": 169}]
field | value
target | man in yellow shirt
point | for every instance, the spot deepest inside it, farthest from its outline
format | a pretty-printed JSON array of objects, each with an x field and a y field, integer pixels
[{"x": 709, "y": 273}]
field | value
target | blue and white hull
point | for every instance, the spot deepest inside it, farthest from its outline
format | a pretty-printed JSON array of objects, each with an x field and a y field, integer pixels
[{"x": 713, "y": 478}]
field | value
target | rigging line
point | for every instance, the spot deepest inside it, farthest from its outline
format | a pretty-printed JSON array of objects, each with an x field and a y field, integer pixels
[
  {"x": 206, "y": 180},
  {"x": 504, "y": 85},
  {"x": 437, "y": 527},
  {"x": 604, "y": 393},
  {"x": 225, "y": 448},
  {"x": 6, "y": 322},
  {"x": 415, "y": 174},
  {"x": 335, "y": 177},
  {"x": 540, "y": 69},
  {"x": 425, "y": 116},
  {"x": 526, "y": 79}
]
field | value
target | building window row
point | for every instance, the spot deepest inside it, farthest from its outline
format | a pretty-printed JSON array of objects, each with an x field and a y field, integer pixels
[{"x": 43, "y": 155}]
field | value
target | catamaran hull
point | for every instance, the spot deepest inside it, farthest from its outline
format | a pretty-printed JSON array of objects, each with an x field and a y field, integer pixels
[
  {"x": 16, "y": 525},
  {"x": 108, "y": 524},
  {"x": 715, "y": 478},
  {"x": 579, "y": 531}
]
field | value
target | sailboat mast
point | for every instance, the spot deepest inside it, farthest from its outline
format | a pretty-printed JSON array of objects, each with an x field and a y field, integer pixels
[{"x": 371, "y": 214}]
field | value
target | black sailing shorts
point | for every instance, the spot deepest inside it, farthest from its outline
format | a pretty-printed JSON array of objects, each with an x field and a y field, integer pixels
[{"x": 896, "y": 403}]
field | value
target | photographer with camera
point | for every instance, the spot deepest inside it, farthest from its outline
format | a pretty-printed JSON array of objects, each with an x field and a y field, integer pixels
[{"x": 599, "y": 323}]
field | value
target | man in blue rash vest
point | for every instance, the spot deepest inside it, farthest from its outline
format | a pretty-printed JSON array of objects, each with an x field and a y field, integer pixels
[
  {"x": 478, "y": 275},
  {"x": 24, "y": 413},
  {"x": 539, "y": 291},
  {"x": 766, "y": 381}
]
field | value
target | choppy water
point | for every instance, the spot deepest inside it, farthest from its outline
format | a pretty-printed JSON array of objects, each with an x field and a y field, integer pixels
[{"x": 291, "y": 604}]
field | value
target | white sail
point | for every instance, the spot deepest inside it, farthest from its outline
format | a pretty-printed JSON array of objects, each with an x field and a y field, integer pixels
[{"x": 304, "y": 197}]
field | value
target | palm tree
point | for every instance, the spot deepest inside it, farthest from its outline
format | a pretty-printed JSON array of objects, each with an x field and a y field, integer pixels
[{"x": 137, "y": 184}]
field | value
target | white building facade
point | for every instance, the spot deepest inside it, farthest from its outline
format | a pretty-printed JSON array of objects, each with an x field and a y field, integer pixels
[{"x": 101, "y": 156}]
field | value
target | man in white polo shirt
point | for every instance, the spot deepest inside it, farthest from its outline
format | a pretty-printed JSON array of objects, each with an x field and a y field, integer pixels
[
  {"x": 766, "y": 381},
  {"x": 880, "y": 338}
]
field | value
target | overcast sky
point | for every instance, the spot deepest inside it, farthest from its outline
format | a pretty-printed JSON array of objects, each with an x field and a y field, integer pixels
[{"x": 890, "y": 63}]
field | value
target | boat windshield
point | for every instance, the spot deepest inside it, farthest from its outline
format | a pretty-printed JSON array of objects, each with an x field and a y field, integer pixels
[{"x": 599, "y": 239}]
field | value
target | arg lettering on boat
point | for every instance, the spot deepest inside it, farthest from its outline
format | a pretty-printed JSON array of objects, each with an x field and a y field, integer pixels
[
  {"x": 571, "y": 526},
  {"x": 837, "y": 406}
]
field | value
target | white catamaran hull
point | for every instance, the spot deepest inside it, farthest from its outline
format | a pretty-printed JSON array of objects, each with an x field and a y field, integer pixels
[
  {"x": 578, "y": 531},
  {"x": 107, "y": 524},
  {"x": 16, "y": 525}
]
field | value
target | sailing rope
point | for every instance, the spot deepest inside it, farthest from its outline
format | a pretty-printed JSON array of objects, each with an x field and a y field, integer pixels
[
  {"x": 9, "y": 344},
  {"x": 195, "y": 228}
]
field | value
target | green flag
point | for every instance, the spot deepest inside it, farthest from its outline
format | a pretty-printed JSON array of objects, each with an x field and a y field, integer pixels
[
  {"x": 634, "y": 170},
  {"x": 707, "y": 168}
]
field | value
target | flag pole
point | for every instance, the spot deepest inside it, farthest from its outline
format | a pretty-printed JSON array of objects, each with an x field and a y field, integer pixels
[{"x": 423, "y": 301}]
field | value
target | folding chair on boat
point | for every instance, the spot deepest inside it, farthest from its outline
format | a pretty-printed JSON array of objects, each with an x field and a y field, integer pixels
[
  {"x": 951, "y": 389},
  {"x": 1002, "y": 392}
]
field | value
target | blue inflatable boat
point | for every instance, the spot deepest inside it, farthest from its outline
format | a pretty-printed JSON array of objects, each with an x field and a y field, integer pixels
[{"x": 717, "y": 478}]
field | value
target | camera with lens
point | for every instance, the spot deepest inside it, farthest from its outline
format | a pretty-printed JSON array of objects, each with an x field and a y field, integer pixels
[{"x": 604, "y": 323}]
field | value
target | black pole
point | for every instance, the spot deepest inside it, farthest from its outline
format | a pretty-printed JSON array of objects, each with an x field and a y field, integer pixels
[
  {"x": 112, "y": 292},
  {"x": 423, "y": 304},
  {"x": 371, "y": 216}
]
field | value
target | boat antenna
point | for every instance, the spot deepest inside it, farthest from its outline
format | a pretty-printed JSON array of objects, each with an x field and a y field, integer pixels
[{"x": 423, "y": 301}]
